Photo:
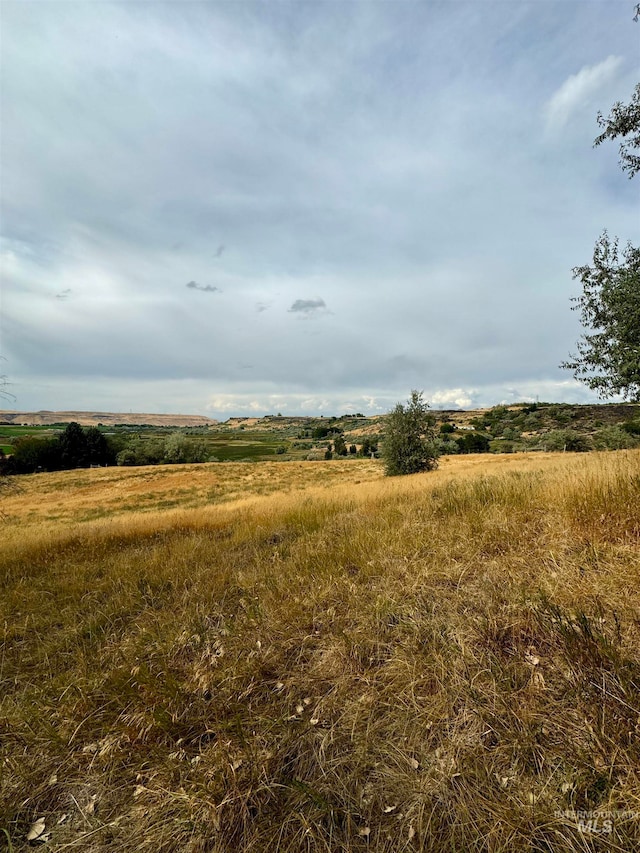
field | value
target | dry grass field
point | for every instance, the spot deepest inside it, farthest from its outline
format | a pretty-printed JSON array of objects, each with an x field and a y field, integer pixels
[{"x": 312, "y": 657}]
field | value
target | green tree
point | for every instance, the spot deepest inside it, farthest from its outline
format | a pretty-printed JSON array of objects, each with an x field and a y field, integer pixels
[
  {"x": 608, "y": 358},
  {"x": 340, "y": 446},
  {"x": 624, "y": 122},
  {"x": 369, "y": 446},
  {"x": 410, "y": 443},
  {"x": 31, "y": 453},
  {"x": 473, "y": 442},
  {"x": 98, "y": 450},
  {"x": 74, "y": 452},
  {"x": 176, "y": 448}
]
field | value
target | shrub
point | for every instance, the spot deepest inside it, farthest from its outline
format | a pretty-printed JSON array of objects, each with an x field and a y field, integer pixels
[
  {"x": 473, "y": 442},
  {"x": 565, "y": 439},
  {"x": 614, "y": 438}
]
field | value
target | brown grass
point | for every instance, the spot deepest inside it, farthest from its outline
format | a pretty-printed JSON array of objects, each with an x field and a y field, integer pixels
[{"x": 444, "y": 662}]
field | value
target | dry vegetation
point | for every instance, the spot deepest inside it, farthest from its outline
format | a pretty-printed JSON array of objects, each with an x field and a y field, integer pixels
[
  {"x": 42, "y": 418},
  {"x": 446, "y": 662}
]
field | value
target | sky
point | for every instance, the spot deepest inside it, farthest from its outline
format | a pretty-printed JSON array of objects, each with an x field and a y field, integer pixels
[{"x": 245, "y": 208}]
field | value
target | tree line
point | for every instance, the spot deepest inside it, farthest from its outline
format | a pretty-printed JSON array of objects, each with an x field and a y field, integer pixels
[{"x": 83, "y": 447}]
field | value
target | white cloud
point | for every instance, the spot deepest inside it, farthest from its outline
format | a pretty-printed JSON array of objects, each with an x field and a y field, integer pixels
[
  {"x": 458, "y": 397},
  {"x": 579, "y": 91}
]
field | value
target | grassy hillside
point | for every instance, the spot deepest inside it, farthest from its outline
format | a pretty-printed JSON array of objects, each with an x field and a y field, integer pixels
[
  {"x": 502, "y": 429},
  {"x": 444, "y": 662}
]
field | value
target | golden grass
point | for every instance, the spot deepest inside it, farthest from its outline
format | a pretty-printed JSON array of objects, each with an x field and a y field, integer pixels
[
  {"x": 444, "y": 662},
  {"x": 56, "y": 501}
]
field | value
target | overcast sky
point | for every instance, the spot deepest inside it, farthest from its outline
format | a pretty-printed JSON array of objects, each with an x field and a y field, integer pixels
[{"x": 229, "y": 208}]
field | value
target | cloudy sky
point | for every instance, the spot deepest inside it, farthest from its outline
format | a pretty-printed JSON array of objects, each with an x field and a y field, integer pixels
[{"x": 308, "y": 207}]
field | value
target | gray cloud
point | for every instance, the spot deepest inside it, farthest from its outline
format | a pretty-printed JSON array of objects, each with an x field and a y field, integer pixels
[
  {"x": 205, "y": 288},
  {"x": 427, "y": 167},
  {"x": 307, "y": 306}
]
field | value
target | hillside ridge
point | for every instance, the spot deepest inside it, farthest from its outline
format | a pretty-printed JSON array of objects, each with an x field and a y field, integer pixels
[{"x": 46, "y": 418}]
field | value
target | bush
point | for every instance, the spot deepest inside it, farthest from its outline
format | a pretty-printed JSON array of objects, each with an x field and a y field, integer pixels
[
  {"x": 565, "y": 439},
  {"x": 473, "y": 442},
  {"x": 410, "y": 442},
  {"x": 614, "y": 438},
  {"x": 447, "y": 447}
]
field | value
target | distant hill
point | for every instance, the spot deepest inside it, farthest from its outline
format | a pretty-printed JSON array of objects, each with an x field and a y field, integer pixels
[
  {"x": 529, "y": 418},
  {"x": 45, "y": 418}
]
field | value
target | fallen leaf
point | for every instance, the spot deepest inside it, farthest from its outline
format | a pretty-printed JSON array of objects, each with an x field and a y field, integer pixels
[{"x": 36, "y": 829}]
